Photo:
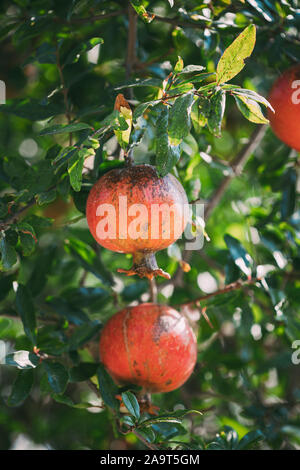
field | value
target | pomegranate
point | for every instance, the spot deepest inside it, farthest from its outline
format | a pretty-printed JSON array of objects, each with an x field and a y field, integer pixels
[
  {"x": 285, "y": 99},
  {"x": 133, "y": 210},
  {"x": 149, "y": 345}
]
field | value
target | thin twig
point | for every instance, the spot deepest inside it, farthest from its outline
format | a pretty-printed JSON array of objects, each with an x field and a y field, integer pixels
[
  {"x": 179, "y": 22},
  {"x": 144, "y": 441},
  {"x": 237, "y": 166},
  {"x": 230, "y": 287},
  {"x": 131, "y": 45},
  {"x": 14, "y": 217},
  {"x": 90, "y": 19}
]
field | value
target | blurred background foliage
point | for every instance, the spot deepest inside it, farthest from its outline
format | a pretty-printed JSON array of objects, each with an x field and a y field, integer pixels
[{"x": 55, "y": 277}]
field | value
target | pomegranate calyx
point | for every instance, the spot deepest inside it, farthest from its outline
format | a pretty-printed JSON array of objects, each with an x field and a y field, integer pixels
[{"x": 145, "y": 265}]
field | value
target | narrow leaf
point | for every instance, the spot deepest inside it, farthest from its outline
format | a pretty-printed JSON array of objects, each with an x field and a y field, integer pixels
[
  {"x": 83, "y": 334},
  {"x": 141, "y": 11},
  {"x": 216, "y": 112},
  {"x": 83, "y": 371},
  {"x": 167, "y": 155},
  {"x": 131, "y": 403},
  {"x": 250, "y": 109},
  {"x": 179, "y": 118},
  {"x": 232, "y": 61},
  {"x": 57, "y": 376},
  {"x": 75, "y": 167},
  {"x": 26, "y": 310},
  {"x": 60, "y": 129},
  {"x": 108, "y": 388},
  {"x": 8, "y": 254},
  {"x": 21, "y": 388}
]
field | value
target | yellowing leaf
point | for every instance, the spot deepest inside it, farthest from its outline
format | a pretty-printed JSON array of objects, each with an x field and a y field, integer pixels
[
  {"x": 232, "y": 61},
  {"x": 122, "y": 105},
  {"x": 250, "y": 109}
]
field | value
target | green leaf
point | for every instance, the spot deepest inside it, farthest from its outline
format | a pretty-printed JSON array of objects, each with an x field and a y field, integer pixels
[
  {"x": 31, "y": 109},
  {"x": 238, "y": 253},
  {"x": 26, "y": 310},
  {"x": 200, "y": 113},
  {"x": 147, "y": 433},
  {"x": 179, "y": 65},
  {"x": 5, "y": 285},
  {"x": 141, "y": 11},
  {"x": 84, "y": 46},
  {"x": 181, "y": 88},
  {"x": 179, "y": 118},
  {"x": 192, "y": 68},
  {"x": 75, "y": 167},
  {"x": 251, "y": 95},
  {"x": 216, "y": 112},
  {"x": 5, "y": 324},
  {"x": 154, "y": 82},
  {"x": 172, "y": 417},
  {"x": 108, "y": 388},
  {"x": 83, "y": 334},
  {"x": 27, "y": 238},
  {"x": 250, "y": 109},
  {"x": 135, "y": 290},
  {"x": 249, "y": 439},
  {"x": 71, "y": 312},
  {"x": 57, "y": 376},
  {"x": 61, "y": 129},
  {"x": 88, "y": 259},
  {"x": 142, "y": 107},
  {"x": 8, "y": 254},
  {"x": 46, "y": 197},
  {"x": 288, "y": 201},
  {"x": 21, "y": 388},
  {"x": 131, "y": 403},
  {"x": 86, "y": 296},
  {"x": 167, "y": 155},
  {"x": 22, "y": 360},
  {"x": 83, "y": 371},
  {"x": 45, "y": 54},
  {"x": 232, "y": 61}
]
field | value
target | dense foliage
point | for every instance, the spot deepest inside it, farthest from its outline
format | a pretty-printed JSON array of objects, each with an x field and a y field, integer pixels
[{"x": 196, "y": 75}]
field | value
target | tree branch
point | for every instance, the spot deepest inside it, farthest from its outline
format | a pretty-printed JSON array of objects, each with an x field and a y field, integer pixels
[
  {"x": 230, "y": 287},
  {"x": 144, "y": 441},
  {"x": 131, "y": 41},
  {"x": 237, "y": 166},
  {"x": 178, "y": 22},
  {"x": 14, "y": 217},
  {"x": 90, "y": 19}
]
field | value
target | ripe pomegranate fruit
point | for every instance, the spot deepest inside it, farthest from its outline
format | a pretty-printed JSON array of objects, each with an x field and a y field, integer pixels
[
  {"x": 285, "y": 99},
  {"x": 149, "y": 345},
  {"x": 133, "y": 210}
]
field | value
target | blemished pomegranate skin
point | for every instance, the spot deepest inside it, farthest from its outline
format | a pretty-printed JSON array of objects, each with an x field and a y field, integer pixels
[
  {"x": 124, "y": 189},
  {"x": 149, "y": 345},
  {"x": 285, "y": 99}
]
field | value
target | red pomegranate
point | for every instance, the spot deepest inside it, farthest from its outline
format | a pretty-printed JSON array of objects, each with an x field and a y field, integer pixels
[
  {"x": 133, "y": 210},
  {"x": 149, "y": 345},
  {"x": 285, "y": 99}
]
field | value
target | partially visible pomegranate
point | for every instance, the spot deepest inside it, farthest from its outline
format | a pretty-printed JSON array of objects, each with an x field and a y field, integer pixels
[
  {"x": 128, "y": 211},
  {"x": 149, "y": 345},
  {"x": 285, "y": 99}
]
